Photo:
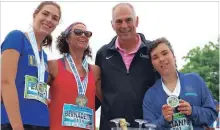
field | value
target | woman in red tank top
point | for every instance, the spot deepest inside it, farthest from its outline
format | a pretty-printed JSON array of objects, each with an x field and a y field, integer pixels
[{"x": 73, "y": 82}]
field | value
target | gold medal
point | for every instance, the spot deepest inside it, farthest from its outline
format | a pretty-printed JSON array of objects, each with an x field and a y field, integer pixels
[{"x": 81, "y": 100}]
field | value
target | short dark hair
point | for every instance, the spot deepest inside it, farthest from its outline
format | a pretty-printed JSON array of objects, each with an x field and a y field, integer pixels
[
  {"x": 158, "y": 41},
  {"x": 62, "y": 44}
]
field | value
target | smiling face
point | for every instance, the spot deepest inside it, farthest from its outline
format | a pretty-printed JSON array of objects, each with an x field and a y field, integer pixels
[
  {"x": 124, "y": 22},
  {"x": 163, "y": 59},
  {"x": 77, "y": 39},
  {"x": 46, "y": 19}
]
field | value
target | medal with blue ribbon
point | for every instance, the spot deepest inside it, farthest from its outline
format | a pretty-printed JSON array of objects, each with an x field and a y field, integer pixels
[
  {"x": 81, "y": 99},
  {"x": 36, "y": 88}
]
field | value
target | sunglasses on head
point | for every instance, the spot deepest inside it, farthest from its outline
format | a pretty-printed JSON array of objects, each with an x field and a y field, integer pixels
[{"x": 79, "y": 32}]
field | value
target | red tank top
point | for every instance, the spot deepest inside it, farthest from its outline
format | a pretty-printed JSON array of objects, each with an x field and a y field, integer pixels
[{"x": 64, "y": 90}]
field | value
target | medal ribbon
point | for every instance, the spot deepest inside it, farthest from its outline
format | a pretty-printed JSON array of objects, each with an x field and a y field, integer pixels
[
  {"x": 81, "y": 86},
  {"x": 40, "y": 62}
]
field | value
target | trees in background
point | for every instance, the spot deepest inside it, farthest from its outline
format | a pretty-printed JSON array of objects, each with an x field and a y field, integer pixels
[{"x": 205, "y": 62}]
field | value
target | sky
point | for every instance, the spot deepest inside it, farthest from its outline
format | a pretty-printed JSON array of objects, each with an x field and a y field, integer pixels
[{"x": 185, "y": 24}]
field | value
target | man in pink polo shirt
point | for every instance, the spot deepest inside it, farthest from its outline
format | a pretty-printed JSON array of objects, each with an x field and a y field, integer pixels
[
  {"x": 128, "y": 56},
  {"x": 126, "y": 70}
]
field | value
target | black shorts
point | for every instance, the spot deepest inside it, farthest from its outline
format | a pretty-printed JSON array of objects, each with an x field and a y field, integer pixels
[{"x": 26, "y": 127}]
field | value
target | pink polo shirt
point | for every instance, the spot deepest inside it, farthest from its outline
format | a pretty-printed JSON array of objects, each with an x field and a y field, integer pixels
[{"x": 128, "y": 57}]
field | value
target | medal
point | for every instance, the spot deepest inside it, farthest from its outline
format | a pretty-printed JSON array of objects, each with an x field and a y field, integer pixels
[
  {"x": 173, "y": 101},
  {"x": 81, "y": 100},
  {"x": 40, "y": 87},
  {"x": 38, "y": 90}
]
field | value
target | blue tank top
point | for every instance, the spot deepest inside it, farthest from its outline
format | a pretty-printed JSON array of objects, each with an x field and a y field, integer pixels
[{"x": 33, "y": 112}]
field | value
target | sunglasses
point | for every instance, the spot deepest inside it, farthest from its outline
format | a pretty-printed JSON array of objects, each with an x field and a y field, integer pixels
[{"x": 79, "y": 32}]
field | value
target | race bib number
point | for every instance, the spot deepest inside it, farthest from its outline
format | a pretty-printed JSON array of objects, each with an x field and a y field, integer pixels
[
  {"x": 180, "y": 122},
  {"x": 35, "y": 90},
  {"x": 76, "y": 116}
]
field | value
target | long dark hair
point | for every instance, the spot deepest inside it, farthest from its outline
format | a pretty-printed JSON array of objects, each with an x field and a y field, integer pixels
[{"x": 62, "y": 44}]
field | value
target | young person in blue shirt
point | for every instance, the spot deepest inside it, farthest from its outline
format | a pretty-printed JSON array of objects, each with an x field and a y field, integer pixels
[
  {"x": 195, "y": 106},
  {"x": 24, "y": 72}
]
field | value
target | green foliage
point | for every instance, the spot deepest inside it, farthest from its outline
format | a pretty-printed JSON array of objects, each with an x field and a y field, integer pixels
[{"x": 205, "y": 62}]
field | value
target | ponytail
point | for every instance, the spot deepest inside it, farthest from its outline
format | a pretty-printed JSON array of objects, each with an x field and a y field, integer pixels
[{"x": 47, "y": 42}]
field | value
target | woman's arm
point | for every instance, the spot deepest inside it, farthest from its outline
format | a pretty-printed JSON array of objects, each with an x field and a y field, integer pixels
[
  {"x": 53, "y": 70},
  {"x": 9, "y": 93}
]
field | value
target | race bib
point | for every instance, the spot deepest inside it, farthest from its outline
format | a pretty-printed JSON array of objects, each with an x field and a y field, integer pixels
[
  {"x": 76, "y": 116},
  {"x": 35, "y": 90},
  {"x": 180, "y": 122}
]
